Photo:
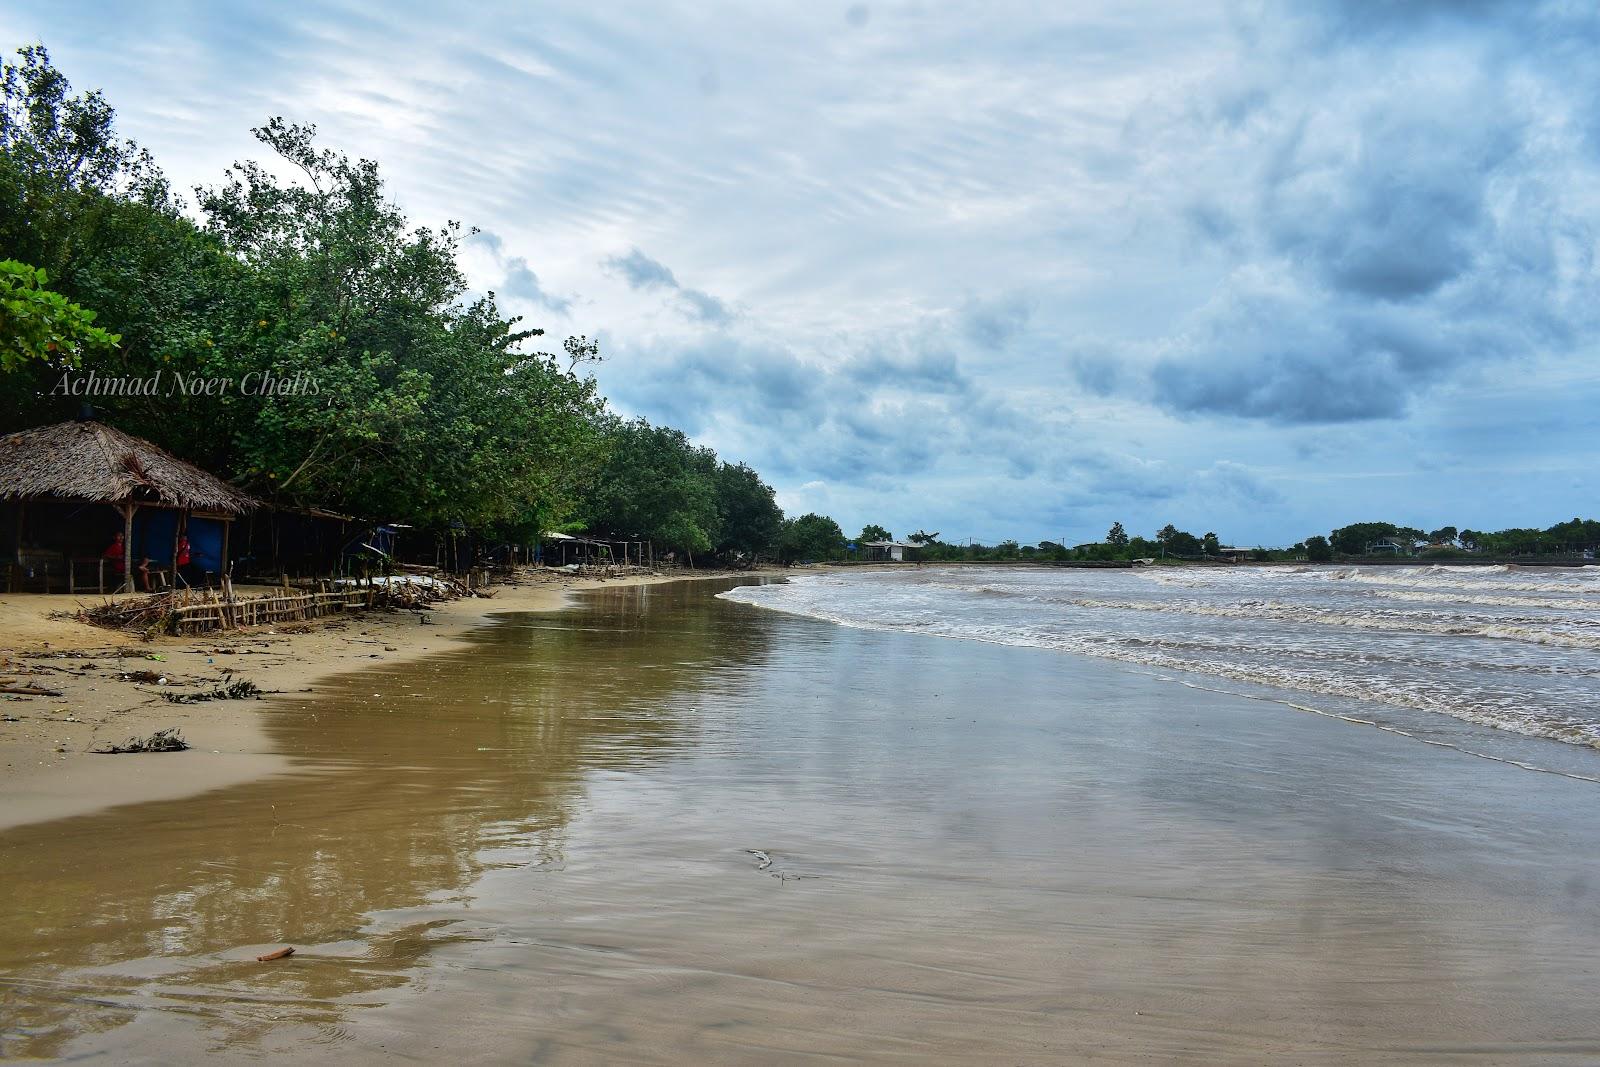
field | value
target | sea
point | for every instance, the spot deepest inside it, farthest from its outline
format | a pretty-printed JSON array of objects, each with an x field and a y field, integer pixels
[{"x": 1422, "y": 650}]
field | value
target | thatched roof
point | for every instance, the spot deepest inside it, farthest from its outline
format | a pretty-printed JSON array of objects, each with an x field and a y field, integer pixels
[{"x": 91, "y": 461}]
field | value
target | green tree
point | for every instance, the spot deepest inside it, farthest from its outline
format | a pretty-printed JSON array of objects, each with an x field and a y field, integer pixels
[
  {"x": 59, "y": 149},
  {"x": 750, "y": 519},
  {"x": 873, "y": 532},
  {"x": 1117, "y": 535},
  {"x": 37, "y": 324},
  {"x": 810, "y": 537},
  {"x": 1318, "y": 549},
  {"x": 1210, "y": 545},
  {"x": 655, "y": 483},
  {"x": 1178, "y": 542},
  {"x": 1353, "y": 540},
  {"x": 428, "y": 405},
  {"x": 922, "y": 537}
]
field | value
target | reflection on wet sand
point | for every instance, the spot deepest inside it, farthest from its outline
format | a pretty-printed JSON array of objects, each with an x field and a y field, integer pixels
[
  {"x": 411, "y": 782},
  {"x": 541, "y": 851}
]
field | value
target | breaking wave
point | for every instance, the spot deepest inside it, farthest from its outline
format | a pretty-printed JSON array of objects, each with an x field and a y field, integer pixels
[{"x": 1486, "y": 646}]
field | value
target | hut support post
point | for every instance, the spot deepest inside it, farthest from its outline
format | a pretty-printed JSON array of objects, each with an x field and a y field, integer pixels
[{"x": 127, "y": 547}]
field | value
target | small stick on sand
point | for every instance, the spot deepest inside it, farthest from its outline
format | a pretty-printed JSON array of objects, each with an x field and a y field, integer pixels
[{"x": 282, "y": 953}]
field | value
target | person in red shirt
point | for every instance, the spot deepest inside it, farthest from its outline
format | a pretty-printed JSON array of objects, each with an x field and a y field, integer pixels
[
  {"x": 185, "y": 562},
  {"x": 115, "y": 553}
]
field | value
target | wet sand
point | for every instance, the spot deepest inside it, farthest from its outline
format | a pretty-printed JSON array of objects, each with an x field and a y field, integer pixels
[
  {"x": 46, "y": 769},
  {"x": 553, "y": 846}
]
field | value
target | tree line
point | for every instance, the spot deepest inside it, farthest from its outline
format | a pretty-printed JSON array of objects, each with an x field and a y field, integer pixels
[
  {"x": 1368, "y": 540},
  {"x": 385, "y": 387}
]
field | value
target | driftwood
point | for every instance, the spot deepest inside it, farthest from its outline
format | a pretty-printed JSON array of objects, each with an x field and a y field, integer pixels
[
  {"x": 168, "y": 740},
  {"x": 280, "y": 954},
  {"x": 29, "y": 691}
]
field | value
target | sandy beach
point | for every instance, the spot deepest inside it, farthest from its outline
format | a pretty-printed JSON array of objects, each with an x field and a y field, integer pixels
[{"x": 47, "y": 770}]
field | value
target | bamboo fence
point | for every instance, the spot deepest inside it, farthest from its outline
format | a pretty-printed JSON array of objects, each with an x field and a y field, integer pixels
[
  {"x": 196, "y": 611},
  {"x": 228, "y": 613}
]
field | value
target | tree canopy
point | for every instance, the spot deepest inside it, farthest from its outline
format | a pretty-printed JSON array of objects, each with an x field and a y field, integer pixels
[
  {"x": 362, "y": 374},
  {"x": 37, "y": 324}
]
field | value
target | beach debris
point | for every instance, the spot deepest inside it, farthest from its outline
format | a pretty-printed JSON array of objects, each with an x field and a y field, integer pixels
[
  {"x": 29, "y": 691},
  {"x": 144, "y": 677},
  {"x": 280, "y": 954},
  {"x": 242, "y": 689},
  {"x": 168, "y": 740},
  {"x": 288, "y": 612},
  {"x": 764, "y": 864}
]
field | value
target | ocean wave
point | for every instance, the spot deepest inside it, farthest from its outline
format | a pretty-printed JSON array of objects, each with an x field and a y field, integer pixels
[
  {"x": 1380, "y": 675},
  {"x": 1576, "y": 581},
  {"x": 1440, "y": 623},
  {"x": 1487, "y": 578},
  {"x": 1452, "y": 597}
]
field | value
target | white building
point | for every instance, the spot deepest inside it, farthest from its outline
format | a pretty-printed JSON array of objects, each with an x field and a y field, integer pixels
[{"x": 894, "y": 551}]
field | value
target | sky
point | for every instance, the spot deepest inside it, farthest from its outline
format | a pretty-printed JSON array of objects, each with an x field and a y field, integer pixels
[{"x": 989, "y": 270}]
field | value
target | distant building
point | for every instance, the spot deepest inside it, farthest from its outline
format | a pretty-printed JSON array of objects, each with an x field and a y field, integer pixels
[
  {"x": 1389, "y": 546},
  {"x": 1236, "y": 555},
  {"x": 888, "y": 551}
]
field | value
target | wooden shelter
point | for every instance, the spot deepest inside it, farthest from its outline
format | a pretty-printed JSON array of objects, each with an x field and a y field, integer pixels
[
  {"x": 587, "y": 550},
  {"x": 65, "y": 474}
]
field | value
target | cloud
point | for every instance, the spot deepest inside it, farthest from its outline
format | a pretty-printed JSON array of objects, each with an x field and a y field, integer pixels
[
  {"x": 642, "y": 272},
  {"x": 1405, "y": 215},
  {"x": 994, "y": 323},
  {"x": 516, "y": 279},
  {"x": 704, "y": 306},
  {"x": 1017, "y": 275}
]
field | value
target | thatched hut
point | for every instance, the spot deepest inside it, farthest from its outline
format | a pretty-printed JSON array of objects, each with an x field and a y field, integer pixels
[{"x": 67, "y": 484}]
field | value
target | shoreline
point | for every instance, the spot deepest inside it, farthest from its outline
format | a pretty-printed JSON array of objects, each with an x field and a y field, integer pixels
[{"x": 46, "y": 769}]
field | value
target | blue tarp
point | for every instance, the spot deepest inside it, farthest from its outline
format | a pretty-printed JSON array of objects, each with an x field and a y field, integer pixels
[
  {"x": 205, "y": 544},
  {"x": 153, "y": 531}
]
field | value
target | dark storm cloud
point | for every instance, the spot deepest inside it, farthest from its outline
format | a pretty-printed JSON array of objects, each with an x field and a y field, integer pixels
[{"x": 1400, "y": 209}]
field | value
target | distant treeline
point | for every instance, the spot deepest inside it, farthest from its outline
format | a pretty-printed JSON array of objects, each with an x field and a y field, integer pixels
[
  {"x": 1365, "y": 540},
  {"x": 308, "y": 342}
]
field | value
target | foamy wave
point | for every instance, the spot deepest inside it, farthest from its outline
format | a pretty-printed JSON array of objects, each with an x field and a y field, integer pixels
[
  {"x": 1567, "y": 603},
  {"x": 1446, "y": 624},
  {"x": 1402, "y": 677},
  {"x": 1577, "y": 582}
]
